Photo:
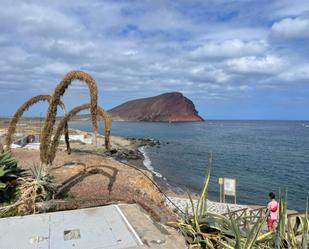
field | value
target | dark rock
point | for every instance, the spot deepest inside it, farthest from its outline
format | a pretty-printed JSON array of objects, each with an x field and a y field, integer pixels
[{"x": 113, "y": 151}]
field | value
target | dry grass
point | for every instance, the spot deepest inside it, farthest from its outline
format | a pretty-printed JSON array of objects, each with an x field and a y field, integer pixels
[
  {"x": 107, "y": 126},
  {"x": 52, "y": 109},
  {"x": 55, "y": 142},
  {"x": 24, "y": 107}
]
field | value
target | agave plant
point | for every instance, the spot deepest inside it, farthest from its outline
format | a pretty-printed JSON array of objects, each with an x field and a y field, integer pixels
[
  {"x": 45, "y": 182},
  {"x": 291, "y": 233},
  {"x": 203, "y": 229},
  {"x": 9, "y": 170},
  {"x": 194, "y": 228},
  {"x": 234, "y": 236},
  {"x": 39, "y": 186},
  {"x": 36, "y": 186}
]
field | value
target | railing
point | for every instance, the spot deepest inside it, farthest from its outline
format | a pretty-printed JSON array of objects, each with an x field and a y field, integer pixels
[{"x": 247, "y": 216}]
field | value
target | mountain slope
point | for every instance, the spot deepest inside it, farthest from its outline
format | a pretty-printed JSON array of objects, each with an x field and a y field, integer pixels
[{"x": 167, "y": 107}]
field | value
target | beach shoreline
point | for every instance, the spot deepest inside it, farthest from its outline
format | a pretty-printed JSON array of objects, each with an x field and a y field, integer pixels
[
  {"x": 175, "y": 193},
  {"x": 132, "y": 151}
]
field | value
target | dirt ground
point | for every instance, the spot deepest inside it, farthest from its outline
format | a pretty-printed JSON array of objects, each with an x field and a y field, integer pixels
[
  {"x": 91, "y": 177},
  {"x": 86, "y": 178}
]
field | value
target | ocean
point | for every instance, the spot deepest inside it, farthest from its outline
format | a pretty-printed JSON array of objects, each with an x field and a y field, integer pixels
[{"x": 263, "y": 156}]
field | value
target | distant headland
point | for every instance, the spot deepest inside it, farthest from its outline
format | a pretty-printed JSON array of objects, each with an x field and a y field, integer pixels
[{"x": 167, "y": 107}]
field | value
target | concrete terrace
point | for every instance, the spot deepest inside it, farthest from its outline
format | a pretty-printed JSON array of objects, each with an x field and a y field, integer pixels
[{"x": 107, "y": 227}]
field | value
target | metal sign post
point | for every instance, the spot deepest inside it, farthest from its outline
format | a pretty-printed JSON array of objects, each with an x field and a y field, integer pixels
[
  {"x": 229, "y": 188},
  {"x": 220, "y": 181}
]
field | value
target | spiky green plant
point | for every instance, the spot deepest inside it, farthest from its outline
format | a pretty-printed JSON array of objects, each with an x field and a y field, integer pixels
[
  {"x": 52, "y": 109},
  {"x": 9, "y": 172},
  {"x": 291, "y": 233},
  {"x": 24, "y": 107},
  {"x": 36, "y": 186},
  {"x": 194, "y": 228},
  {"x": 233, "y": 236},
  {"x": 203, "y": 229},
  {"x": 46, "y": 186}
]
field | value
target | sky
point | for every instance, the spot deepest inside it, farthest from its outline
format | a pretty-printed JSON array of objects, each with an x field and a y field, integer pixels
[{"x": 234, "y": 59}]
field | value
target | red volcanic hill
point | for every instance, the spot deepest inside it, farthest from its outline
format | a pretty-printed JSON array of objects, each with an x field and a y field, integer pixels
[{"x": 167, "y": 107}]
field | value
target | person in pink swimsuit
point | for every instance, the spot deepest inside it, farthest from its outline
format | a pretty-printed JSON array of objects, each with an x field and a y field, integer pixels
[{"x": 273, "y": 207}]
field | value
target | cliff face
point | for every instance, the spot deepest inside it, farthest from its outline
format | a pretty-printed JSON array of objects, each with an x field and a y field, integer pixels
[{"x": 167, "y": 107}]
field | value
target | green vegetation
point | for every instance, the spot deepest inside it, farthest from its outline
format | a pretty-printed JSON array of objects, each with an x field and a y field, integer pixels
[
  {"x": 9, "y": 172},
  {"x": 203, "y": 229},
  {"x": 29, "y": 187}
]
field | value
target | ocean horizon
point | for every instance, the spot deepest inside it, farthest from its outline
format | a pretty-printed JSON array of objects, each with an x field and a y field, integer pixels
[{"x": 262, "y": 155}]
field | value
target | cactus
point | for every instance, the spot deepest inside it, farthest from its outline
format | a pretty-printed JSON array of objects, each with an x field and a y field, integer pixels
[
  {"x": 20, "y": 111},
  {"x": 52, "y": 109}
]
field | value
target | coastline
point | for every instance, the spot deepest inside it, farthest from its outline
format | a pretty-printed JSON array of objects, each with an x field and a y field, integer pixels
[
  {"x": 133, "y": 151},
  {"x": 180, "y": 198}
]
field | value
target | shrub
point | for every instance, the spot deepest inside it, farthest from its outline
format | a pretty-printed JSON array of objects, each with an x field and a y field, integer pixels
[
  {"x": 203, "y": 229},
  {"x": 37, "y": 186},
  {"x": 9, "y": 172}
]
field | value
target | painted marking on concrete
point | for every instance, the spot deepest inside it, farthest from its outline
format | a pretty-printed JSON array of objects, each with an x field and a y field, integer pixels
[{"x": 129, "y": 225}]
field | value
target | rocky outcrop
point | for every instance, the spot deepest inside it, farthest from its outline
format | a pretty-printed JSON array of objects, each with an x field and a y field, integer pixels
[{"x": 167, "y": 107}]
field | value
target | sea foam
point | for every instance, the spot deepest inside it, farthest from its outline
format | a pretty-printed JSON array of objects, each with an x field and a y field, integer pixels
[{"x": 147, "y": 162}]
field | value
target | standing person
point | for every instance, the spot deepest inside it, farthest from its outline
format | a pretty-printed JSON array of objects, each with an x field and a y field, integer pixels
[{"x": 273, "y": 207}]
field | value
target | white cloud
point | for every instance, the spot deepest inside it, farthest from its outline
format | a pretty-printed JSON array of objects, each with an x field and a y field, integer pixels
[
  {"x": 229, "y": 48},
  {"x": 69, "y": 46},
  {"x": 301, "y": 72},
  {"x": 200, "y": 73},
  {"x": 292, "y": 27},
  {"x": 285, "y": 8},
  {"x": 144, "y": 48},
  {"x": 268, "y": 64},
  {"x": 54, "y": 68}
]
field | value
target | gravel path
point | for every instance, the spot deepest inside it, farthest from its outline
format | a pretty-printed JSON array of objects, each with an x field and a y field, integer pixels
[{"x": 215, "y": 207}]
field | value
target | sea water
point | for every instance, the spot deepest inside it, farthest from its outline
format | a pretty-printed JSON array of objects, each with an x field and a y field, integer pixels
[{"x": 263, "y": 156}]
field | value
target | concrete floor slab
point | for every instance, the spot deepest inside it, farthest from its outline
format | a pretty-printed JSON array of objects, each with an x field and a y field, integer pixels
[
  {"x": 154, "y": 235},
  {"x": 24, "y": 233},
  {"x": 92, "y": 228}
]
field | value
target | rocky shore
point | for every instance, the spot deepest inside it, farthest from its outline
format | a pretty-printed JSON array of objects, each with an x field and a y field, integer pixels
[
  {"x": 127, "y": 150},
  {"x": 132, "y": 153},
  {"x": 124, "y": 150}
]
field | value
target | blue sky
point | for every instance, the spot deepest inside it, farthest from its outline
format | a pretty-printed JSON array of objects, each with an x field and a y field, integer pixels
[{"x": 235, "y": 59}]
